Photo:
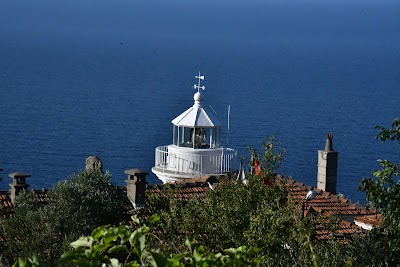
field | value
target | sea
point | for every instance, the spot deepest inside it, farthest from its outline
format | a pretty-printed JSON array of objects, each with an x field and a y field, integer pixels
[{"x": 105, "y": 78}]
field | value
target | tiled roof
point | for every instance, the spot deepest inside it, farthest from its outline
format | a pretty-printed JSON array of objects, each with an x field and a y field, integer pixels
[
  {"x": 41, "y": 195},
  {"x": 373, "y": 219},
  {"x": 368, "y": 221},
  {"x": 180, "y": 191},
  {"x": 328, "y": 227},
  {"x": 324, "y": 204},
  {"x": 5, "y": 199}
]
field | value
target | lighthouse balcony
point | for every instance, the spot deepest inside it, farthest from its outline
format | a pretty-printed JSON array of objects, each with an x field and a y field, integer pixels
[{"x": 175, "y": 163}]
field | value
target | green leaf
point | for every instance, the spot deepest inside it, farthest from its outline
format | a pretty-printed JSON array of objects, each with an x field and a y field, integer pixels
[
  {"x": 154, "y": 218},
  {"x": 117, "y": 248},
  {"x": 132, "y": 264},
  {"x": 82, "y": 242},
  {"x": 138, "y": 239},
  {"x": 72, "y": 254},
  {"x": 99, "y": 231},
  {"x": 136, "y": 219},
  {"x": 115, "y": 263},
  {"x": 189, "y": 245},
  {"x": 28, "y": 262},
  {"x": 142, "y": 242},
  {"x": 159, "y": 259},
  {"x": 197, "y": 256},
  {"x": 20, "y": 263},
  {"x": 230, "y": 251}
]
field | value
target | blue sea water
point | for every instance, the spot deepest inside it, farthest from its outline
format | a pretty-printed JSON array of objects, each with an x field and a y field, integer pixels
[{"x": 85, "y": 77}]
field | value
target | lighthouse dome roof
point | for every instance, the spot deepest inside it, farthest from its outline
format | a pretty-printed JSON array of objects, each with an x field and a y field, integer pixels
[{"x": 197, "y": 116}]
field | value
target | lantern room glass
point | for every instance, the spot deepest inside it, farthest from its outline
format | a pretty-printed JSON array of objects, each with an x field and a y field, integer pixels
[{"x": 196, "y": 137}]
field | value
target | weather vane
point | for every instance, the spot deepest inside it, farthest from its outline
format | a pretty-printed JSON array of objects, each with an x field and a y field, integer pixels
[{"x": 198, "y": 87}]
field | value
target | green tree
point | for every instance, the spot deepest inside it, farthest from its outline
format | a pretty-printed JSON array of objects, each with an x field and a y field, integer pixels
[
  {"x": 105, "y": 244},
  {"x": 382, "y": 245},
  {"x": 224, "y": 217},
  {"x": 270, "y": 157},
  {"x": 252, "y": 215},
  {"x": 76, "y": 206},
  {"x": 392, "y": 133}
]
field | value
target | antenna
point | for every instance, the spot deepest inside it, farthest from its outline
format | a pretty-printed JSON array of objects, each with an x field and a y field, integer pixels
[
  {"x": 227, "y": 135},
  {"x": 213, "y": 110}
]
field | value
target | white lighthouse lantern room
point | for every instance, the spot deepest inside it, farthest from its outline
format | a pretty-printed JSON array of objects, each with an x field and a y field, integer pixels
[{"x": 196, "y": 149}]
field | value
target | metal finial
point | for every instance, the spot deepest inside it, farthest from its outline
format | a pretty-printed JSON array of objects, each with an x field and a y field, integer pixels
[{"x": 198, "y": 87}]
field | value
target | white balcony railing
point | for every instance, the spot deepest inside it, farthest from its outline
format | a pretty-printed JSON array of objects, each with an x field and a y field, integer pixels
[{"x": 212, "y": 161}]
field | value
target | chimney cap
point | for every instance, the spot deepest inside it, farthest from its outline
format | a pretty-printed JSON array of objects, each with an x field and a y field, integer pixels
[
  {"x": 16, "y": 175},
  {"x": 328, "y": 143},
  {"x": 135, "y": 171}
]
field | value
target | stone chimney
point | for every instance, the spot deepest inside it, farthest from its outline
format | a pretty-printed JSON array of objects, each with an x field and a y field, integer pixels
[
  {"x": 136, "y": 187},
  {"x": 93, "y": 162},
  {"x": 327, "y": 167},
  {"x": 18, "y": 184}
]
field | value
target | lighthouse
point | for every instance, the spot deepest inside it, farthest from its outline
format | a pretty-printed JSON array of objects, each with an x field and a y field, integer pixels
[{"x": 196, "y": 149}]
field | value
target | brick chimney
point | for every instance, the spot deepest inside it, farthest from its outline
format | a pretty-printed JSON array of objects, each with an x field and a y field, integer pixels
[
  {"x": 136, "y": 187},
  {"x": 327, "y": 167},
  {"x": 18, "y": 184}
]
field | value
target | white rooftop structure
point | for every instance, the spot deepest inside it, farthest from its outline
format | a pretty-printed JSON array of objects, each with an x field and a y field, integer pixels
[
  {"x": 196, "y": 149},
  {"x": 196, "y": 116}
]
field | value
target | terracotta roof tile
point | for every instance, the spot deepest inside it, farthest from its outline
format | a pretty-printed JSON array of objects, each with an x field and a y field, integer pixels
[
  {"x": 324, "y": 204},
  {"x": 368, "y": 221},
  {"x": 181, "y": 192}
]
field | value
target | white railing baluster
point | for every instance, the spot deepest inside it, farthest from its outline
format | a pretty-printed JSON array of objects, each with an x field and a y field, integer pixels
[{"x": 194, "y": 163}]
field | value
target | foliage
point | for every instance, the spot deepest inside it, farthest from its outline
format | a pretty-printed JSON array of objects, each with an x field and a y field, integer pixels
[
  {"x": 271, "y": 157},
  {"x": 383, "y": 192},
  {"x": 232, "y": 215},
  {"x": 30, "y": 231},
  {"x": 393, "y": 133},
  {"x": 87, "y": 200},
  {"x": 76, "y": 206},
  {"x": 28, "y": 262},
  {"x": 258, "y": 214},
  {"x": 104, "y": 246}
]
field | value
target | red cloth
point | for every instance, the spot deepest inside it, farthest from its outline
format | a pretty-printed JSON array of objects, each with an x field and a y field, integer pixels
[{"x": 257, "y": 167}]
